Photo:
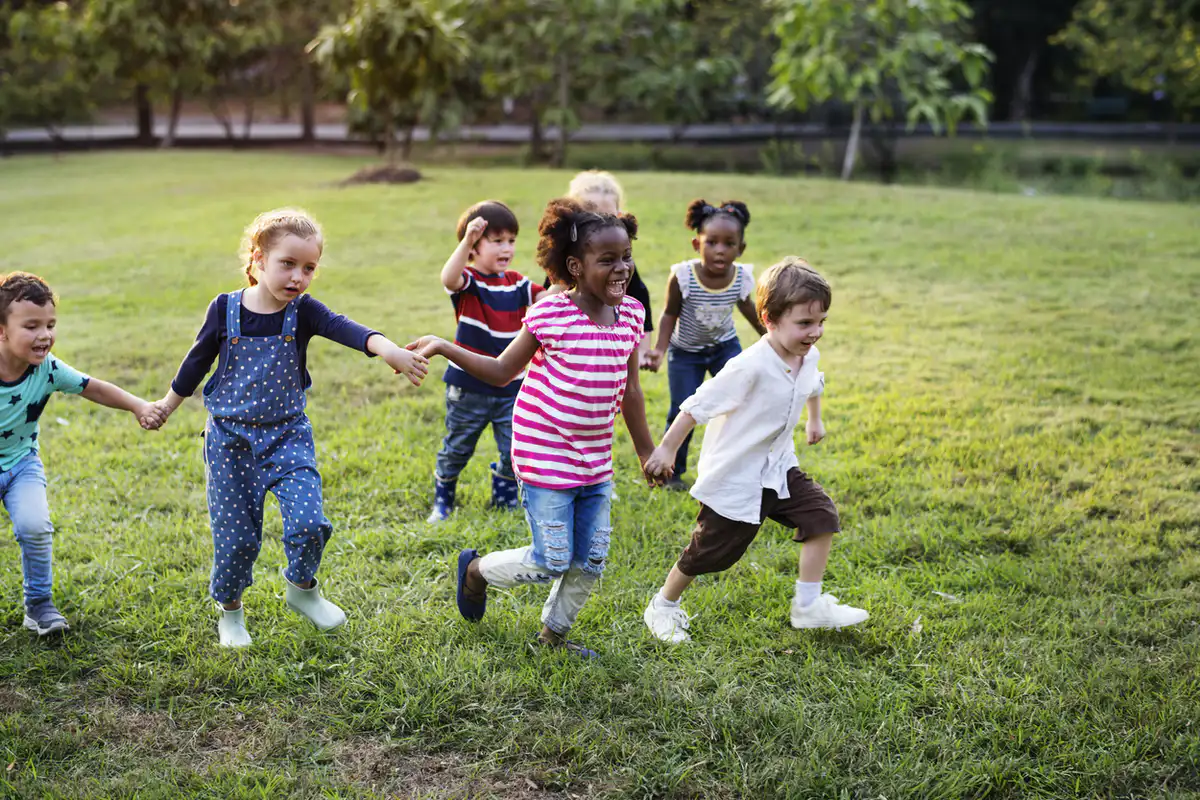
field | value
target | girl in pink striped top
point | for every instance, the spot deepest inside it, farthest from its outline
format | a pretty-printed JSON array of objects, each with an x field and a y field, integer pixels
[{"x": 581, "y": 350}]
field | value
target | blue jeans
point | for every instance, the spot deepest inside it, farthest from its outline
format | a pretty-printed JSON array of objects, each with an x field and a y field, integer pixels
[
  {"x": 467, "y": 414},
  {"x": 571, "y": 534},
  {"x": 23, "y": 490},
  {"x": 685, "y": 373}
]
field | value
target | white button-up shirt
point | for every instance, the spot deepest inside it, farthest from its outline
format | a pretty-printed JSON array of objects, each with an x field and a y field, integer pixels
[{"x": 751, "y": 407}]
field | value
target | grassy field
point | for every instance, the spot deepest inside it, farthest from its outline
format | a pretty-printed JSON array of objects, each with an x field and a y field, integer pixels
[{"x": 1013, "y": 441}]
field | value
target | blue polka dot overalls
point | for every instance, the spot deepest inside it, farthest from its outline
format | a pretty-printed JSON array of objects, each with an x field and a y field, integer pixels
[{"x": 259, "y": 440}]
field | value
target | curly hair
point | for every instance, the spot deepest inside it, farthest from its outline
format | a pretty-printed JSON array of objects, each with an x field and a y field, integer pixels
[
  {"x": 18, "y": 286},
  {"x": 499, "y": 217},
  {"x": 271, "y": 226},
  {"x": 564, "y": 231},
  {"x": 700, "y": 211}
]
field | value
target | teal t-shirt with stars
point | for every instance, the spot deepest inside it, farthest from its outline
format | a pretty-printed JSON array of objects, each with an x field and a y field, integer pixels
[{"x": 22, "y": 402}]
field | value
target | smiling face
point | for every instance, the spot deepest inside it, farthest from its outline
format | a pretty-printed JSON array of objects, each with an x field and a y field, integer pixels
[
  {"x": 28, "y": 334},
  {"x": 719, "y": 243},
  {"x": 606, "y": 266},
  {"x": 798, "y": 328},
  {"x": 287, "y": 267}
]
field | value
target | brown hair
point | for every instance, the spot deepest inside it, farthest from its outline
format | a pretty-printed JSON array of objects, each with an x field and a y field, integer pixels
[
  {"x": 500, "y": 218},
  {"x": 18, "y": 286},
  {"x": 790, "y": 282},
  {"x": 271, "y": 226},
  {"x": 564, "y": 230}
]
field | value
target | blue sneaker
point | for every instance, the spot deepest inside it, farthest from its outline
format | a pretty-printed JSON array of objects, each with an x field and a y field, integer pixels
[
  {"x": 471, "y": 610},
  {"x": 44, "y": 618}
]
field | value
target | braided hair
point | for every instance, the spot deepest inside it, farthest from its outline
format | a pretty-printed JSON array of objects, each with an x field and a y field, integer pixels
[
  {"x": 564, "y": 230},
  {"x": 700, "y": 211}
]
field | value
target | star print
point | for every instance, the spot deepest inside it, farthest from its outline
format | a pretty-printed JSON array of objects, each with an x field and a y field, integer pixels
[
  {"x": 14, "y": 400},
  {"x": 6, "y": 435},
  {"x": 35, "y": 410}
]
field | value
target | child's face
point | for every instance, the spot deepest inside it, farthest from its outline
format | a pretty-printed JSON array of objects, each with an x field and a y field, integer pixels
[
  {"x": 606, "y": 267},
  {"x": 798, "y": 328},
  {"x": 493, "y": 253},
  {"x": 719, "y": 243},
  {"x": 288, "y": 267},
  {"x": 30, "y": 331}
]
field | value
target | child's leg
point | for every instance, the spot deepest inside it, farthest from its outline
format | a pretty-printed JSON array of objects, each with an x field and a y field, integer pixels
[
  {"x": 505, "y": 493},
  {"x": 291, "y": 469},
  {"x": 235, "y": 509},
  {"x": 467, "y": 414},
  {"x": 592, "y": 532},
  {"x": 25, "y": 500},
  {"x": 685, "y": 373}
]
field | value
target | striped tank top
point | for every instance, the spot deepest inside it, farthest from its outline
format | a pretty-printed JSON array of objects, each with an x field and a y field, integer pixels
[
  {"x": 706, "y": 317},
  {"x": 562, "y": 424}
]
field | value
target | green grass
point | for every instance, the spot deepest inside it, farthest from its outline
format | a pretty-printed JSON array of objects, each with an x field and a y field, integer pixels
[{"x": 1012, "y": 421}]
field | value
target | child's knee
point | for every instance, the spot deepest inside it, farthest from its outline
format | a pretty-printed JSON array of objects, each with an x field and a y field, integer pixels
[
  {"x": 597, "y": 555},
  {"x": 556, "y": 550},
  {"x": 32, "y": 529}
]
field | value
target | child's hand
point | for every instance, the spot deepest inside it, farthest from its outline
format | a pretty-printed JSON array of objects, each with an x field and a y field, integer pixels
[
  {"x": 427, "y": 346},
  {"x": 412, "y": 365},
  {"x": 474, "y": 230},
  {"x": 815, "y": 429},
  {"x": 651, "y": 360},
  {"x": 659, "y": 466},
  {"x": 151, "y": 416}
]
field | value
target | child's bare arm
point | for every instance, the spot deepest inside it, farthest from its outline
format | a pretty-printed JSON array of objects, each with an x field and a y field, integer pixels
[
  {"x": 103, "y": 393},
  {"x": 499, "y": 371},
  {"x": 452, "y": 271},
  {"x": 413, "y": 366},
  {"x": 750, "y": 312},
  {"x": 633, "y": 409},
  {"x": 814, "y": 428},
  {"x": 661, "y": 463},
  {"x": 666, "y": 324}
]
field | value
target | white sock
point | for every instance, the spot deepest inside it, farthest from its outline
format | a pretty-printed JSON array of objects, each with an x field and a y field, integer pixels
[
  {"x": 807, "y": 592},
  {"x": 663, "y": 602}
]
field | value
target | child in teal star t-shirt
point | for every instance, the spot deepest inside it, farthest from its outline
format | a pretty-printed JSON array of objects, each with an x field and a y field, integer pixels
[{"x": 28, "y": 376}]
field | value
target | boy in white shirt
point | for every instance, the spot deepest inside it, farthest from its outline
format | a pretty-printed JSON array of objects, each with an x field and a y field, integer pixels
[{"x": 748, "y": 469}]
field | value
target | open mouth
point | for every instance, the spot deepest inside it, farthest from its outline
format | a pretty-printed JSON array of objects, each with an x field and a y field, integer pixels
[
  {"x": 291, "y": 290},
  {"x": 41, "y": 351}
]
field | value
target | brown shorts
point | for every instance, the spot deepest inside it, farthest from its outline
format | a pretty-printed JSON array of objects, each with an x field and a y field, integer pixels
[{"x": 718, "y": 543}]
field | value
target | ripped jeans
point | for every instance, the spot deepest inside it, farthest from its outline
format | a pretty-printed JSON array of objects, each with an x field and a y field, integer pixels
[{"x": 571, "y": 532}]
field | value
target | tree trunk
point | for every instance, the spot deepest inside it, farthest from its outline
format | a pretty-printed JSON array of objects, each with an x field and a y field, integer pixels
[
  {"x": 389, "y": 143},
  {"x": 1022, "y": 100},
  {"x": 852, "y": 145},
  {"x": 248, "y": 117},
  {"x": 564, "y": 101},
  {"x": 537, "y": 144},
  {"x": 145, "y": 115},
  {"x": 173, "y": 123},
  {"x": 308, "y": 103},
  {"x": 220, "y": 112},
  {"x": 406, "y": 146}
]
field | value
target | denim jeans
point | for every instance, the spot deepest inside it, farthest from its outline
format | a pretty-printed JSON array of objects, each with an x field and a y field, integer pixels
[
  {"x": 23, "y": 490},
  {"x": 571, "y": 534},
  {"x": 467, "y": 414},
  {"x": 685, "y": 373}
]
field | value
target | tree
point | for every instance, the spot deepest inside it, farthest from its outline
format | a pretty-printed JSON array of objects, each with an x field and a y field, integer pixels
[
  {"x": 48, "y": 72},
  {"x": 880, "y": 57},
  {"x": 399, "y": 56},
  {"x": 1150, "y": 46}
]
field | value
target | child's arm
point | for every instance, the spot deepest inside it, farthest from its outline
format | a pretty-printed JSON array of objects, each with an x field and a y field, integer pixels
[
  {"x": 661, "y": 463},
  {"x": 149, "y": 415},
  {"x": 499, "y": 371},
  {"x": 666, "y": 324},
  {"x": 814, "y": 429},
  {"x": 413, "y": 366},
  {"x": 633, "y": 409},
  {"x": 750, "y": 312},
  {"x": 452, "y": 272}
]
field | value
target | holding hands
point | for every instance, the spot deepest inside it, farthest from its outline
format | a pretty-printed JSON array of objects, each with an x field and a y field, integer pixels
[
  {"x": 151, "y": 416},
  {"x": 660, "y": 466}
]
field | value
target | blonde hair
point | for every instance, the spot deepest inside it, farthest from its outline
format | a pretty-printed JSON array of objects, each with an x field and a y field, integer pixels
[
  {"x": 595, "y": 181},
  {"x": 790, "y": 282},
  {"x": 271, "y": 226}
]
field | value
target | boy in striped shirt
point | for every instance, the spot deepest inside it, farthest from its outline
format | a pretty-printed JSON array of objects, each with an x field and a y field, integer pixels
[{"x": 489, "y": 304}]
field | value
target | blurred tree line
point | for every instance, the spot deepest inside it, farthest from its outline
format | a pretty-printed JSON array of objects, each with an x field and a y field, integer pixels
[{"x": 870, "y": 65}]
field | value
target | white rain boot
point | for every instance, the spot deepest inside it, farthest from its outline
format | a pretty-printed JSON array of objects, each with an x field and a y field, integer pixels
[
  {"x": 231, "y": 628},
  {"x": 308, "y": 602}
]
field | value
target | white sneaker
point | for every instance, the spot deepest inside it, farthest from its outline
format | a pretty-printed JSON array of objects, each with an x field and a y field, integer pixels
[
  {"x": 231, "y": 628},
  {"x": 309, "y": 603},
  {"x": 668, "y": 623},
  {"x": 825, "y": 612}
]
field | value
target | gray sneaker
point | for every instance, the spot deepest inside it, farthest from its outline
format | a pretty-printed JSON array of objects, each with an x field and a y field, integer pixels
[{"x": 44, "y": 618}]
